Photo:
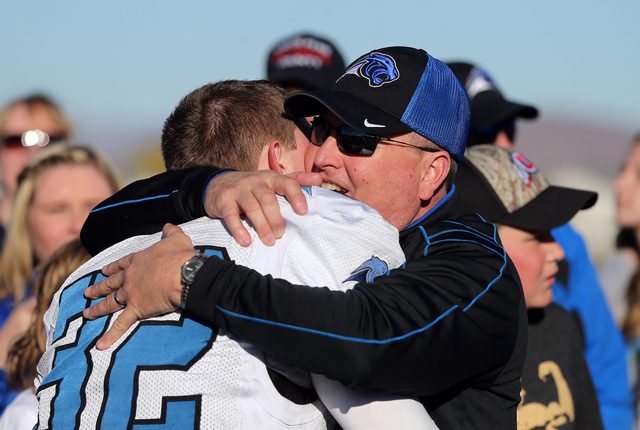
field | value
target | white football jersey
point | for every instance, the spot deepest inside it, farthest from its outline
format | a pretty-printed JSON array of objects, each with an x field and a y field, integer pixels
[{"x": 176, "y": 372}]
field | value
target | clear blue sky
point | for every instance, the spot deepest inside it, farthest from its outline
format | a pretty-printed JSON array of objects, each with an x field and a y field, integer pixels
[{"x": 119, "y": 67}]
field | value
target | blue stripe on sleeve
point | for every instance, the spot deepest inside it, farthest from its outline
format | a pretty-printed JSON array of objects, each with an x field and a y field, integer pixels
[
  {"x": 127, "y": 202},
  {"x": 337, "y": 336}
]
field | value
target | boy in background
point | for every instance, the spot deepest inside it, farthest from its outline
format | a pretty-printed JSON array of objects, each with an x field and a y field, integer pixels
[{"x": 507, "y": 189}]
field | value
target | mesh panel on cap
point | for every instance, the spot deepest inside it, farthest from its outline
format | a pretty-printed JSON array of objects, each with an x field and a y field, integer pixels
[{"x": 439, "y": 109}]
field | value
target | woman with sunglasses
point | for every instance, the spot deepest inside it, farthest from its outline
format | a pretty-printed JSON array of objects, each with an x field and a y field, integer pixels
[{"x": 26, "y": 126}]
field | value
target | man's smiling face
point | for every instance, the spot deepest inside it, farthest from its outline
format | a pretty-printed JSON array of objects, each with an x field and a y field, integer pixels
[{"x": 388, "y": 180}]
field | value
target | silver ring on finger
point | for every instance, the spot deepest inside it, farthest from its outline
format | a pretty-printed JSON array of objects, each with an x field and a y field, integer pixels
[{"x": 115, "y": 298}]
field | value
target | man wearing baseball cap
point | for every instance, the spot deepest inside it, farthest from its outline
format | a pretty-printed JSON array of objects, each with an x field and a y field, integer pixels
[
  {"x": 506, "y": 188},
  {"x": 449, "y": 326}
]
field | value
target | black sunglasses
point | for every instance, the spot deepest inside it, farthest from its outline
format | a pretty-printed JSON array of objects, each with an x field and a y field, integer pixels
[
  {"x": 30, "y": 138},
  {"x": 351, "y": 141}
]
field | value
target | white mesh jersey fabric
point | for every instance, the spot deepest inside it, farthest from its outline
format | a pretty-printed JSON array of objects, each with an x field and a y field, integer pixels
[{"x": 172, "y": 369}]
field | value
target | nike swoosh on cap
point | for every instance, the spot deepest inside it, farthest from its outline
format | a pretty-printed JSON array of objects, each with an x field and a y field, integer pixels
[{"x": 369, "y": 124}]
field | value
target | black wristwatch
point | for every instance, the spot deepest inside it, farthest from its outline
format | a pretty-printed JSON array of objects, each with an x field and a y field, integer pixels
[{"x": 189, "y": 270}]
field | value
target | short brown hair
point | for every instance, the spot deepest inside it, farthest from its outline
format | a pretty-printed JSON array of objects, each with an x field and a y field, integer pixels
[{"x": 226, "y": 124}]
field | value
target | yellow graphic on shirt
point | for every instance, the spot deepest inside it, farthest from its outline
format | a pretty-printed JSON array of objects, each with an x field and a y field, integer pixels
[{"x": 554, "y": 415}]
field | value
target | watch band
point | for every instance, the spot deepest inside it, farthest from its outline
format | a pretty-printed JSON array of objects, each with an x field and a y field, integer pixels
[{"x": 183, "y": 295}]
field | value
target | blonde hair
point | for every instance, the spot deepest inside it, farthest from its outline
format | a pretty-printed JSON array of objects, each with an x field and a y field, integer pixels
[
  {"x": 24, "y": 355},
  {"x": 17, "y": 259},
  {"x": 32, "y": 102}
]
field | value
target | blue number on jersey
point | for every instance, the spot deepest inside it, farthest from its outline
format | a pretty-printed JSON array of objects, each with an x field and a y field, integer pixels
[{"x": 169, "y": 345}]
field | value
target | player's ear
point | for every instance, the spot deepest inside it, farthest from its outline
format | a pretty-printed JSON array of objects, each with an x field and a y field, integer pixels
[
  {"x": 435, "y": 169},
  {"x": 275, "y": 157}
]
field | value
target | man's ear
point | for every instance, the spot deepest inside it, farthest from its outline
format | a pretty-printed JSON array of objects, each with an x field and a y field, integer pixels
[
  {"x": 275, "y": 157},
  {"x": 436, "y": 167}
]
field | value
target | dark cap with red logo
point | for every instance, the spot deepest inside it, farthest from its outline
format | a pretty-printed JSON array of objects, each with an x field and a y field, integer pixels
[{"x": 305, "y": 61}]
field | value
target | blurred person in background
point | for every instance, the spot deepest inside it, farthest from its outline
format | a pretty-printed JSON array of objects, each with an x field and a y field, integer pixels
[
  {"x": 617, "y": 271},
  {"x": 55, "y": 193},
  {"x": 577, "y": 288},
  {"x": 507, "y": 189},
  {"x": 24, "y": 355},
  {"x": 26, "y": 126},
  {"x": 620, "y": 275},
  {"x": 304, "y": 63}
]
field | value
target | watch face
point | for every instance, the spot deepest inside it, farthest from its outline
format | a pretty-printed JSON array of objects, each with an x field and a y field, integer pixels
[
  {"x": 190, "y": 268},
  {"x": 189, "y": 271}
]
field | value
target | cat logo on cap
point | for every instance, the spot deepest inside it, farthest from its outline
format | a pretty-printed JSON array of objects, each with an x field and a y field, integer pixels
[{"x": 379, "y": 69}]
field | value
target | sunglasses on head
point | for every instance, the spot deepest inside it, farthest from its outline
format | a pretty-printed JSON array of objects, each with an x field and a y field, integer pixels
[
  {"x": 30, "y": 138},
  {"x": 351, "y": 141}
]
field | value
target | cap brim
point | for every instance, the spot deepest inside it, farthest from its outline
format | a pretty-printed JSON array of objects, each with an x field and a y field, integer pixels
[
  {"x": 353, "y": 110},
  {"x": 490, "y": 107},
  {"x": 553, "y": 207}
]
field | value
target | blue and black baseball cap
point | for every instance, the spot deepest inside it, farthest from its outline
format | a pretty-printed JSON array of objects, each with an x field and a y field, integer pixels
[{"x": 392, "y": 91}]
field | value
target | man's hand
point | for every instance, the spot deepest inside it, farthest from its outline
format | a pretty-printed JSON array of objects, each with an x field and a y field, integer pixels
[
  {"x": 254, "y": 194},
  {"x": 147, "y": 283}
]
